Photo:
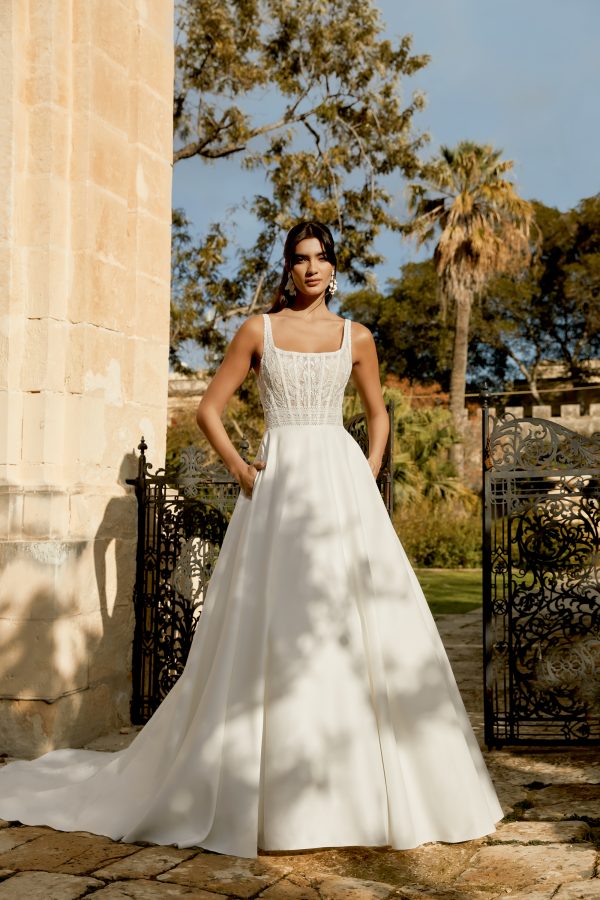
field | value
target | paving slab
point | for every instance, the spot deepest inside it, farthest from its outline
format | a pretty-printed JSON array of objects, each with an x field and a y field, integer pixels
[
  {"x": 46, "y": 886},
  {"x": 141, "y": 889},
  {"x": 587, "y": 890},
  {"x": 519, "y": 866},
  {"x": 335, "y": 888},
  {"x": 294, "y": 887},
  {"x": 146, "y": 863},
  {"x": 17, "y": 835},
  {"x": 554, "y": 765},
  {"x": 240, "y": 877},
  {"x": 99, "y": 851},
  {"x": 56, "y": 850},
  {"x": 418, "y": 892},
  {"x": 537, "y": 892},
  {"x": 541, "y": 833},
  {"x": 564, "y": 801}
]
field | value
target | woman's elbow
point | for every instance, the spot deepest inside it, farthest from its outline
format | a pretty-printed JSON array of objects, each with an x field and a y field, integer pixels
[{"x": 201, "y": 413}]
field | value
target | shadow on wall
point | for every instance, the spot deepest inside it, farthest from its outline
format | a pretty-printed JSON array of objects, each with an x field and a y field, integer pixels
[{"x": 66, "y": 622}]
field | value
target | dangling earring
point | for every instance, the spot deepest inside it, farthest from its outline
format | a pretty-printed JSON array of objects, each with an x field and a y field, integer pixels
[
  {"x": 290, "y": 287},
  {"x": 332, "y": 284}
]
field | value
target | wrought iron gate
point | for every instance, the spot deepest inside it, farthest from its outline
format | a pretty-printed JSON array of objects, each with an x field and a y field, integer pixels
[
  {"x": 181, "y": 524},
  {"x": 541, "y": 582}
]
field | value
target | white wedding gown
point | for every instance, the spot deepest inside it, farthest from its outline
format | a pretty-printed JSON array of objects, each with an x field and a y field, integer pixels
[{"x": 317, "y": 707}]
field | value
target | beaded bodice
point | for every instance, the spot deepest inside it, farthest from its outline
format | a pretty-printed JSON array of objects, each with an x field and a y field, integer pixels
[{"x": 299, "y": 388}]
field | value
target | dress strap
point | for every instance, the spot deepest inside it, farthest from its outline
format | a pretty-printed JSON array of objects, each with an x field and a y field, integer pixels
[
  {"x": 267, "y": 333},
  {"x": 347, "y": 340}
]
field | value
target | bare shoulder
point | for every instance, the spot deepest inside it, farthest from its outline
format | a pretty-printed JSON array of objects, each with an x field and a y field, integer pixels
[
  {"x": 252, "y": 325},
  {"x": 361, "y": 335},
  {"x": 250, "y": 331}
]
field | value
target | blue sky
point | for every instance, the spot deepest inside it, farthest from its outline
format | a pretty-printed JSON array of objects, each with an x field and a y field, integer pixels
[{"x": 523, "y": 75}]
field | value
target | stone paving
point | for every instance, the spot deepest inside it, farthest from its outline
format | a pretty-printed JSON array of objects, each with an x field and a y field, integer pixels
[{"x": 546, "y": 848}]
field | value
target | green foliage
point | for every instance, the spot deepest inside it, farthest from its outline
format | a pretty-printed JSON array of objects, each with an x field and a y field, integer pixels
[
  {"x": 413, "y": 341},
  {"x": 334, "y": 127},
  {"x": 551, "y": 312},
  {"x": 482, "y": 229},
  {"x": 440, "y": 535}
]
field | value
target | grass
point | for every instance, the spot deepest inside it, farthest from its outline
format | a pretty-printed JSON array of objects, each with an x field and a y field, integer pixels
[{"x": 451, "y": 590}]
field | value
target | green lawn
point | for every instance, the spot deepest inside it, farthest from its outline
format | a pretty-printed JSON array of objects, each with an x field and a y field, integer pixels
[{"x": 451, "y": 590}]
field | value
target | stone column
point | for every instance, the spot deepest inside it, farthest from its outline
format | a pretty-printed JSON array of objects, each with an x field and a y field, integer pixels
[{"x": 85, "y": 176}]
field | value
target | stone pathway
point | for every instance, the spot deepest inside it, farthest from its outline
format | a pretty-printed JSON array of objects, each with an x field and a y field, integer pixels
[{"x": 545, "y": 849}]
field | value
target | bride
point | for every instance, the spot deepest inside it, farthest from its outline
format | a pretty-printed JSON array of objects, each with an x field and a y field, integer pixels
[{"x": 317, "y": 707}]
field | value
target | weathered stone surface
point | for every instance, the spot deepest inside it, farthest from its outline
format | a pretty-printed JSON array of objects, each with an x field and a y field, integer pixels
[
  {"x": 522, "y": 766},
  {"x": 141, "y": 889},
  {"x": 58, "y": 851},
  {"x": 537, "y": 892},
  {"x": 336, "y": 888},
  {"x": 588, "y": 890},
  {"x": 519, "y": 866},
  {"x": 46, "y": 886},
  {"x": 237, "y": 876},
  {"x": 560, "y": 801},
  {"x": 146, "y": 863},
  {"x": 294, "y": 887},
  {"x": 99, "y": 852},
  {"x": 82, "y": 231},
  {"x": 15, "y": 836},
  {"x": 509, "y": 795},
  {"x": 544, "y": 832},
  {"x": 428, "y": 893}
]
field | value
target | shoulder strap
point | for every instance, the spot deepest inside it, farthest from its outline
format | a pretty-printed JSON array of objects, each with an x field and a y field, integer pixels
[
  {"x": 348, "y": 333},
  {"x": 267, "y": 333}
]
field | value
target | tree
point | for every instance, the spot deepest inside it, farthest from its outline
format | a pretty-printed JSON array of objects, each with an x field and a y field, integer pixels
[
  {"x": 333, "y": 127},
  {"x": 413, "y": 341},
  {"x": 553, "y": 312},
  {"x": 484, "y": 229}
]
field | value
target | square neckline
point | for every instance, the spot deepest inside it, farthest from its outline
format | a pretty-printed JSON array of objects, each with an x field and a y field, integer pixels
[{"x": 308, "y": 352}]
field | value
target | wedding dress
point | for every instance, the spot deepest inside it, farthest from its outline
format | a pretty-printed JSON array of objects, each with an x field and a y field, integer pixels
[{"x": 317, "y": 707}]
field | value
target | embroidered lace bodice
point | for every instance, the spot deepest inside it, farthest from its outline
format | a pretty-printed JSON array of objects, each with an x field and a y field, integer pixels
[{"x": 300, "y": 388}]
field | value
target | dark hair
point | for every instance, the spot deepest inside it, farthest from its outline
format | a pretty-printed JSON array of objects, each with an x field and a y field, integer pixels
[{"x": 300, "y": 232}]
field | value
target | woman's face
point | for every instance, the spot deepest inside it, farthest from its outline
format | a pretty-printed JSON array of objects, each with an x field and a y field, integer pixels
[{"x": 311, "y": 270}]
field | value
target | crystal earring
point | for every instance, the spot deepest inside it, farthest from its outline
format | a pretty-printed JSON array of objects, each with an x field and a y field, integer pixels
[
  {"x": 332, "y": 285},
  {"x": 290, "y": 287}
]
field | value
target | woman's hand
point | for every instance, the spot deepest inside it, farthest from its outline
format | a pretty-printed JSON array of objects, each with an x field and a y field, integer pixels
[
  {"x": 375, "y": 465},
  {"x": 247, "y": 477}
]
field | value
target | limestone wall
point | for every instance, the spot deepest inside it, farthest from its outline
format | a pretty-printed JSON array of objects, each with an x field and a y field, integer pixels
[{"x": 85, "y": 177}]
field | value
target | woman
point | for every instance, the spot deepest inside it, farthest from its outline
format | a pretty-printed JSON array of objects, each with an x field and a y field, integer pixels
[{"x": 317, "y": 707}]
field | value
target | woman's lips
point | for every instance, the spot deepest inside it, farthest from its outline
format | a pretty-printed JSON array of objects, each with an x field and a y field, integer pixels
[{"x": 311, "y": 282}]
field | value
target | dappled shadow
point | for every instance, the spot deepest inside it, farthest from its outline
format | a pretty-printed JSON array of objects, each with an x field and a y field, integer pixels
[
  {"x": 317, "y": 707},
  {"x": 64, "y": 660}
]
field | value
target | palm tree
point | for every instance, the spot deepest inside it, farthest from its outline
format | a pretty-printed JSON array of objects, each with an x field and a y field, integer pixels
[{"x": 484, "y": 230}]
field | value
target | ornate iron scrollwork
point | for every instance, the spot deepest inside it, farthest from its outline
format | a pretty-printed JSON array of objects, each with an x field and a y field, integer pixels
[{"x": 541, "y": 582}]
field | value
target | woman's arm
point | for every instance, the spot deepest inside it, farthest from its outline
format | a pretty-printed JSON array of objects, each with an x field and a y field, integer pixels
[
  {"x": 229, "y": 376},
  {"x": 365, "y": 375}
]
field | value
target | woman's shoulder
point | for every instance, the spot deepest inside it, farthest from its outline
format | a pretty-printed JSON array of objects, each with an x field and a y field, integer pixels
[
  {"x": 360, "y": 333},
  {"x": 252, "y": 324}
]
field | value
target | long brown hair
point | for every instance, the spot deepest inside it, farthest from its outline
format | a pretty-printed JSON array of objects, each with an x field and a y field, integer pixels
[{"x": 298, "y": 233}]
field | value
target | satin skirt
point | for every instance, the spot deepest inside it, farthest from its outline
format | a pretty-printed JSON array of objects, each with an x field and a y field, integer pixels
[{"x": 317, "y": 707}]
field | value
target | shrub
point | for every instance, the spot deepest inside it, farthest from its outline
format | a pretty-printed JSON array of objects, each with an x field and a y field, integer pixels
[{"x": 440, "y": 535}]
